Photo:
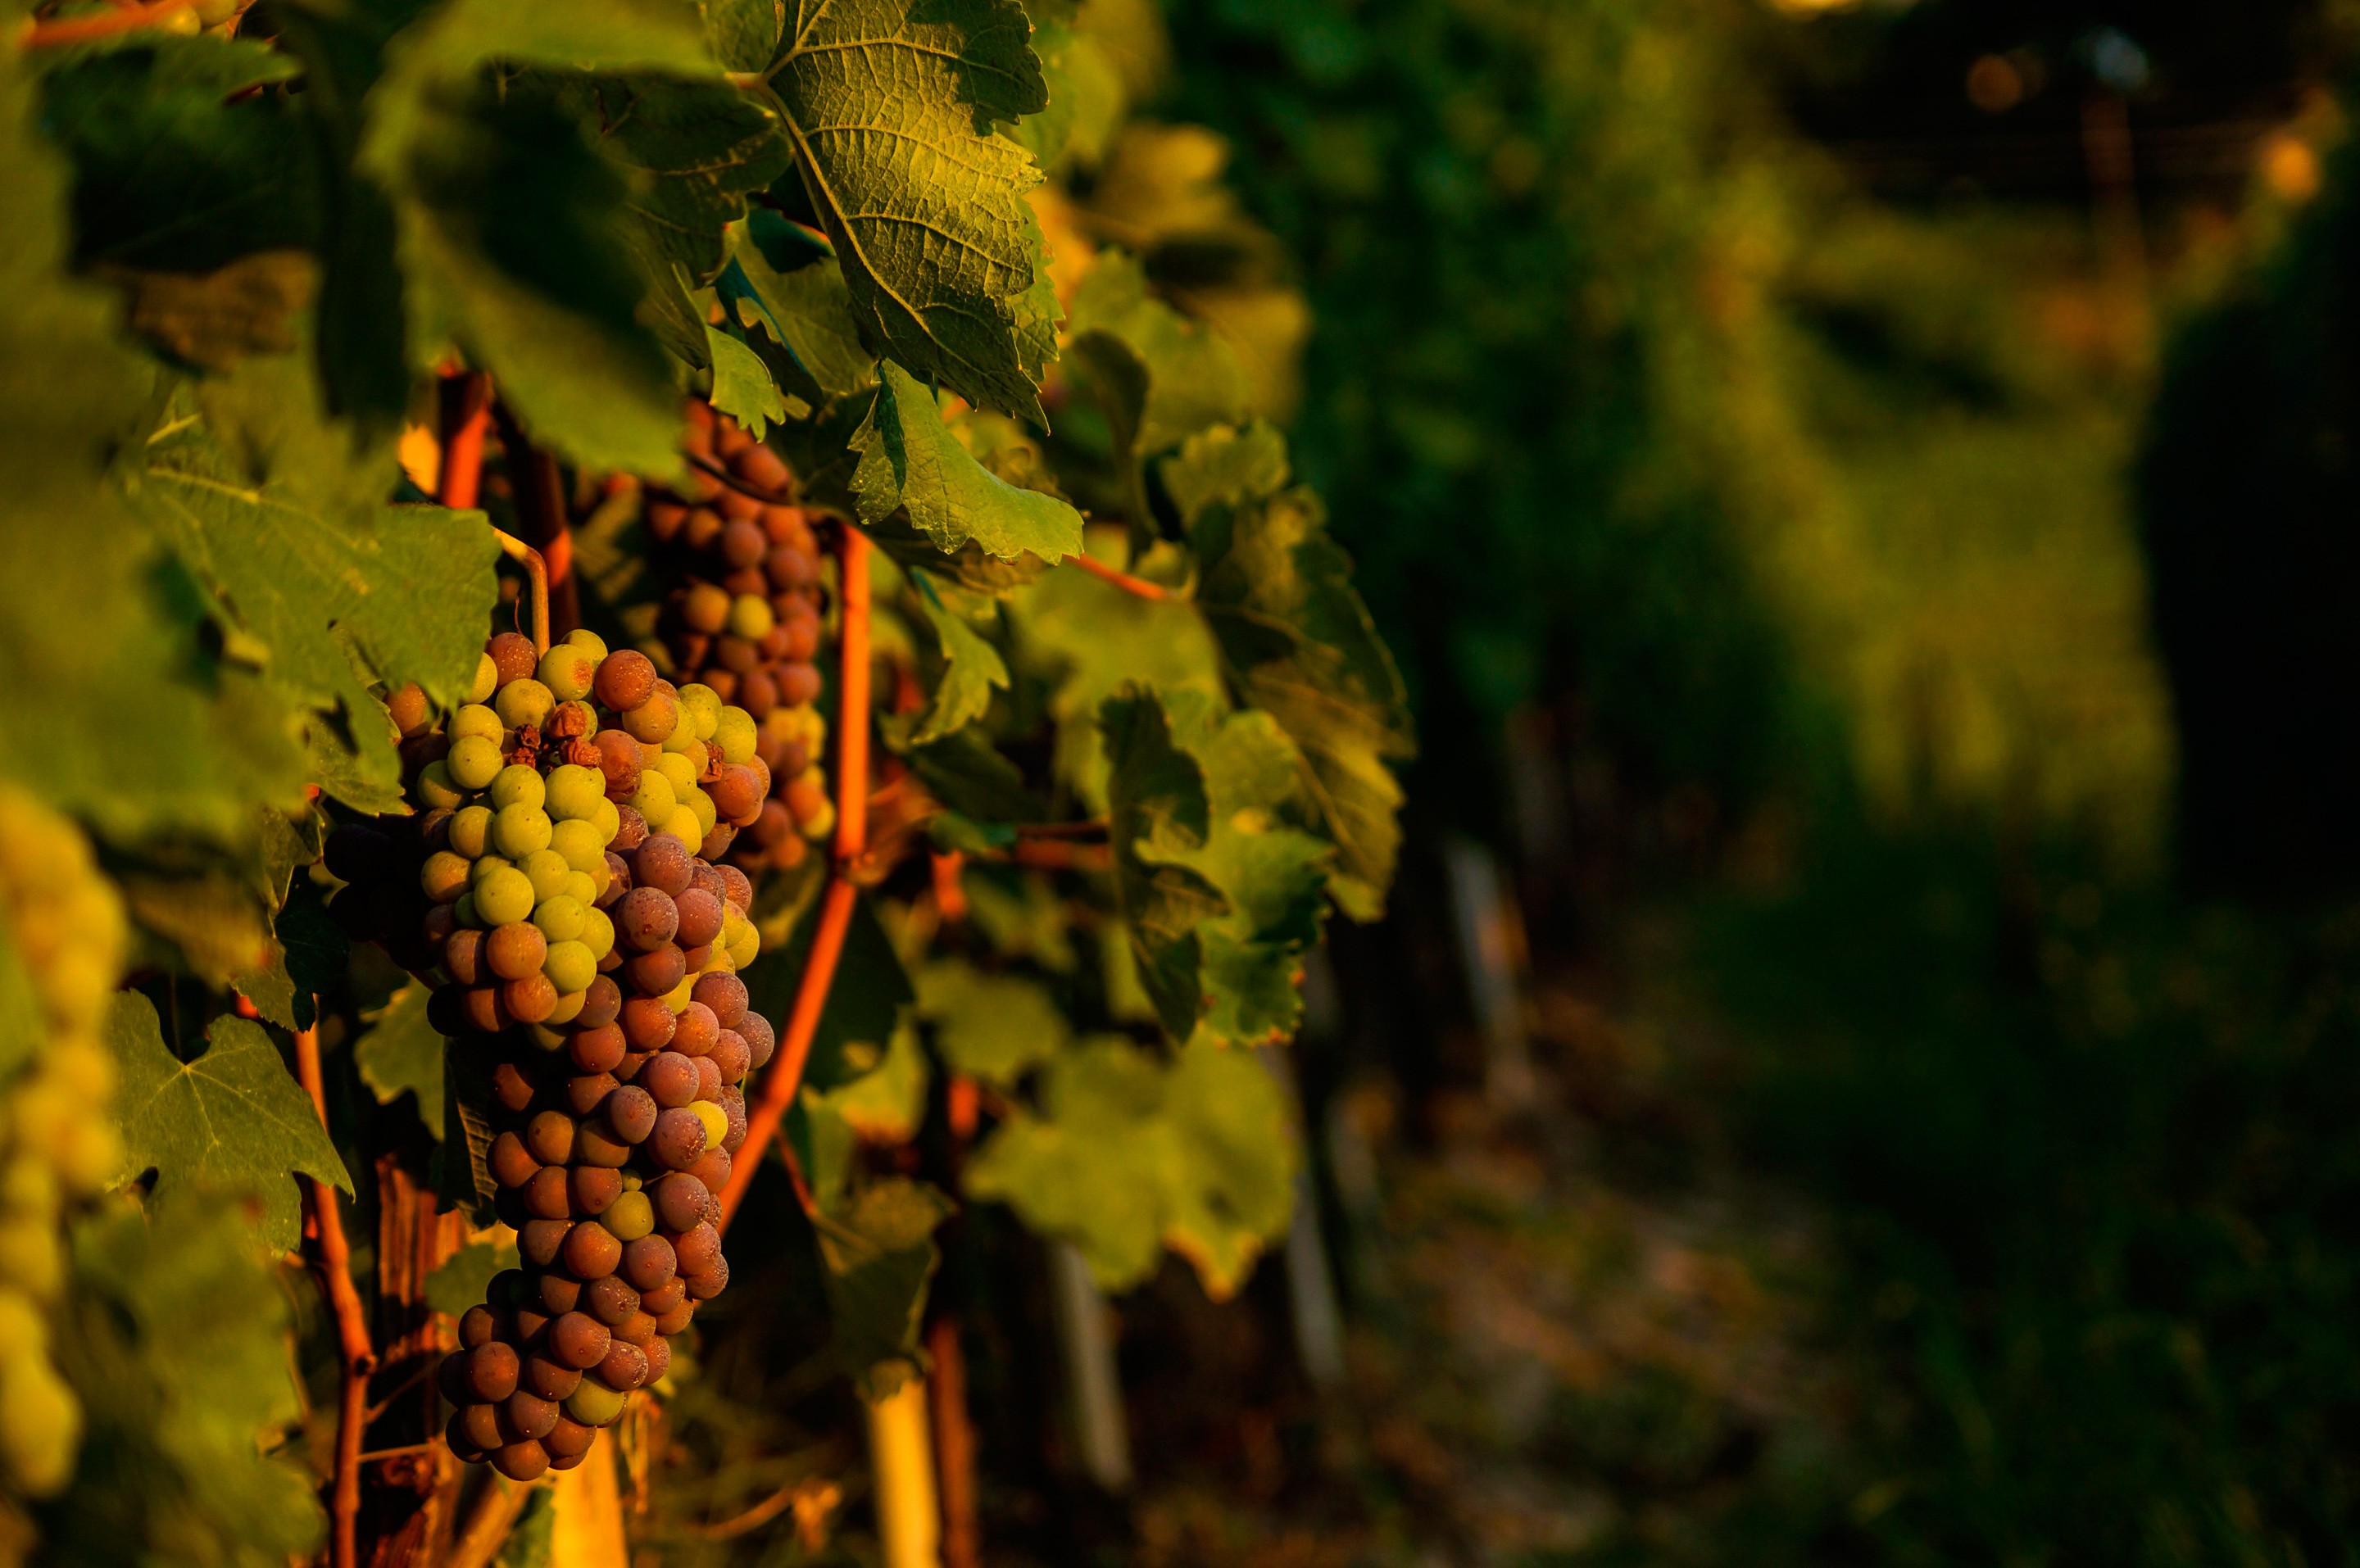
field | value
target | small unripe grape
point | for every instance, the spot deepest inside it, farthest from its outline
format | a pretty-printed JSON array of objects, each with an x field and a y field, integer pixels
[
  {"x": 546, "y": 871},
  {"x": 711, "y": 1118},
  {"x": 630, "y": 1216},
  {"x": 473, "y": 763},
  {"x": 469, "y": 833},
  {"x": 524, "y": 703},
  {"x": 573, "y": 792},
  {"x": 595, "y": 1404},
  {"x": 570, "y": 967},
  {"x": 486, "y": 681},
  {"x": 568, "y": 672},
  {"x": 519, "y": 830},
  {"x": 680, "y": 771},
  {"x": 549, "y": 1033},
  {"x": 560, "y": 919},
  {"x": 749, "y": 617}
]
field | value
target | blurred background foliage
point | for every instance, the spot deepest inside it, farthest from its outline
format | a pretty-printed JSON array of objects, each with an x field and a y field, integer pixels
[{"x": 1863, "y": 499}]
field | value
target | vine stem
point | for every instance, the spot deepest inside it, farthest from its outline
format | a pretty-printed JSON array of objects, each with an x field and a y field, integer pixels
[
  {"x": 786, "y": 1071},
  {"x": 82, "y": 30},
  {"x": 1139, "y": 587},
  {"x": 357, "y": 1356},
  {"x": 541, "y": 513},
  {"x": 466, "y": 413},
  {"x": 537, "y": 571}
]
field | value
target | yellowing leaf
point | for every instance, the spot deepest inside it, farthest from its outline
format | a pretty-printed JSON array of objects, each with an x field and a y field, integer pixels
[{"x": 910, "y": 459}]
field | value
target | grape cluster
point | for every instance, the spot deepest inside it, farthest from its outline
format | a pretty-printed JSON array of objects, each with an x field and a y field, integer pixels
[
  {"x": 746, "y": 621},
  {"x": 57, "y": 1144},
  {"x": 551, "y": 890}
]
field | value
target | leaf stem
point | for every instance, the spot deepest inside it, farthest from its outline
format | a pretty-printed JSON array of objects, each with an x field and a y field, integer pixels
[
  {"x": 356, "y": 1354},
  {"x": 82, "y": 30},
  {"x": 1137, "y": 586},
  {"x": 537, "y": 571},
  {"x": 785, "y": 1073}
]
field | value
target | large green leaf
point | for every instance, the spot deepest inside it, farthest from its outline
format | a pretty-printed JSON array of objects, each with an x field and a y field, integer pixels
[
  {"x": 401, "y": 1053},
  {"x": 513, "y": 230},
  {"x": 1158, "y": 817},
  {"x": 175, "y": 1338},
  {"x": 879, "y": 1249},
  {"x": 232, "y": 1119},
  {"x": 103, "y": 649},
  {"x": 993, "y": 1027},
  {"x": 693, "y": 151},
  {"x": 1127, "y": 1155},
  {"x": 1299, "y": 643},
  {"x": 909, "y": 458},
  {"x": 891, "y": 104}
]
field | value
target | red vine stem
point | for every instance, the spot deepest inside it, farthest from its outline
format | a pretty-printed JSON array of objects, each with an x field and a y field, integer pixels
[
  {"x": 466, "y": 413},
  {"x": 82, "y": 30},
  {"x": 786, "y": 1073},
  {"x": 355, "y": 1351},
  {"x": 1138, "y": 586},
  {"x": 537, "y": 571}
]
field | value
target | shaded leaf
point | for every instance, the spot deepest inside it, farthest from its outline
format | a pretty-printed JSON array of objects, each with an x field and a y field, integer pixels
[
  {"x": 972, "y": 668},
  {"x": 1160, "y": 377},
  {"x": 693, "y": 150},
  {"x": 212, "y": 319},
  {"x": 881, "y": 1254},
  {"x": 806, "y": 310},
  {"x": 1158, "y": 814},
  {"x": 993, "y": 1027},
  {"x": 463, "y": 1280},
  {"x": 231, "y": 1119},
  {"x": 864, "y": 1002},
  {"x": 401, "y": 1053}
]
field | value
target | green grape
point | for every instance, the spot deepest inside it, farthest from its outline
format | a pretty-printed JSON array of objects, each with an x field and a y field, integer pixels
[
  {"x": 546, "y": 871},
  {"x": 518, "y": 784},
  {"x": 521, "y": 830},
  {"x": 40, "y": 1426},
  {"x": 681, "y": 738},
  {"x": 680, "y": 771},
  {"x": 678, "y": 998},
  {"x": 549, "y": 1039},
  {"x": 475, "y": 719},
  {"x": 594, "y": 1403},
  {"x": 707, "y": 813},
  {"x": 598, "y": 932},
  {"x": 655, "y": 801},
  {"x": 503, "y": 896},
  {"x": 574, "y": 792},
  {"x": 443, "y": 876},
  {"x": 716, "y": 1120},
  {"x": 583, "y": 887},
  {"x": 471, "y": 828},
  {"x": 584, "y": 637},
  {"x": 750, "y": 618},
  {"x": 684, "y": 825},
  {"x": 436, "y": 790},
  {"x": 609, "y": 821},
  {"x": 474, "y": 762},
  {"x": 567, "y": 670},
  {"x": 742, "y": 939},
  {"x": 736, "y": 735},
  {"x": 486, "y": 681},
  {"x": 485, "y": 865},
  {"x": 701, "y": 705},
  {"x": 571, "y": 967},
  {"x": 560, "y": 919},
  {"x": 630, "y": 1217},
  {"x": 569, "y": 1006},
  {"x": 579, "y": 842},
  {"x": 524, "y": 703}
]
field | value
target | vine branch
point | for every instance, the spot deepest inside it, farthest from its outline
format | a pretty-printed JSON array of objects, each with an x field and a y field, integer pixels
[
  {"x": 786, "y": 1071},
  {"x": 537, "y": 571},
  {"x": 466, "y": 410},
  {"x": 1139, "y": 587},
  {"x": 84, "y": 30},
  {"x": 356, "y": 1354}
]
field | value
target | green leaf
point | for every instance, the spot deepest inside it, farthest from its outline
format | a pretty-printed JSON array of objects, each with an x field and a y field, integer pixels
[
  {"x": 231, "y": 1119},
  {"x": 1086, "y": 99},
  {"x": 972, "y": 667},
  {"x": 887, "y": 1103},
  {"x": 742, "y": 387},
  {"x": 745, "y": 33},
  {"x": 463, "y": 1280},
  {"x": 331, "y": 604},
  {"x": 308, "y": 954},
  {"x": 211, "y": 321},
  {"x": 881, "y": 1254},
  {"x": 177, "y": 167},
  {"x": 175, "y": 1338},
  {"x": 993, "y": 1027},
  {"x": 1127, "y": 1155},
  {"x": 1160, "y": 377},
  {"x": 509, "y": 223},
  {"x": 807, "y": 311},
  {"x": 909, "y": 458},
  {"x": 889, "y": 103},
  {"x": 692, "y": 152},
  {"x": 103, "y": 641},
  {"x": 1158, "y": 816},
  {"x": 1300, "y": 644},
  {"x": 864, "y": 1003},
  {"x": 964, "y": 772},
  {"x": 401, "y": 1053}
]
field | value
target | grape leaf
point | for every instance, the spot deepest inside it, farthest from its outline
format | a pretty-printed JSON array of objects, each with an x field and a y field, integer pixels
[
  {"x": 463, "y": 1280},
  {"x": 1299, "y": 643},
  {"x": 308, "y": 952},
  {"x": 1158, "y": 814},
  {"x": 1086, "y": 99},
  {"x": 745, "y": 33},
  {"x": 691, "y": 151},
  {"x": 401, "y": 1053},
  {"x": 909, "y": 458},
  {"x": 1127, "y": 1155},
  {"x": 232, "y": 1118},
  {"x": 993, "y": 1027},
  {"x": 742, "y": 387},
  {"x": 508, "y": 220},
  {"x": 889, "y": 105},
  {"x": 972, "y": 667},
  {"x": 102, "y": 644},
  {"x": 863, "y": 1003},
  {"x": 177, "y": 167},
  {"x": 1160, "y": 377},
  {"x": 806, "y": 310},
  {"x": 211, "y": 321},
  {"x": 881, "y": 1254},
  {"x": 175, "y": 1338},
  {"x": 886, "y": 1103},
  {"x": 964, "y": 772}
]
